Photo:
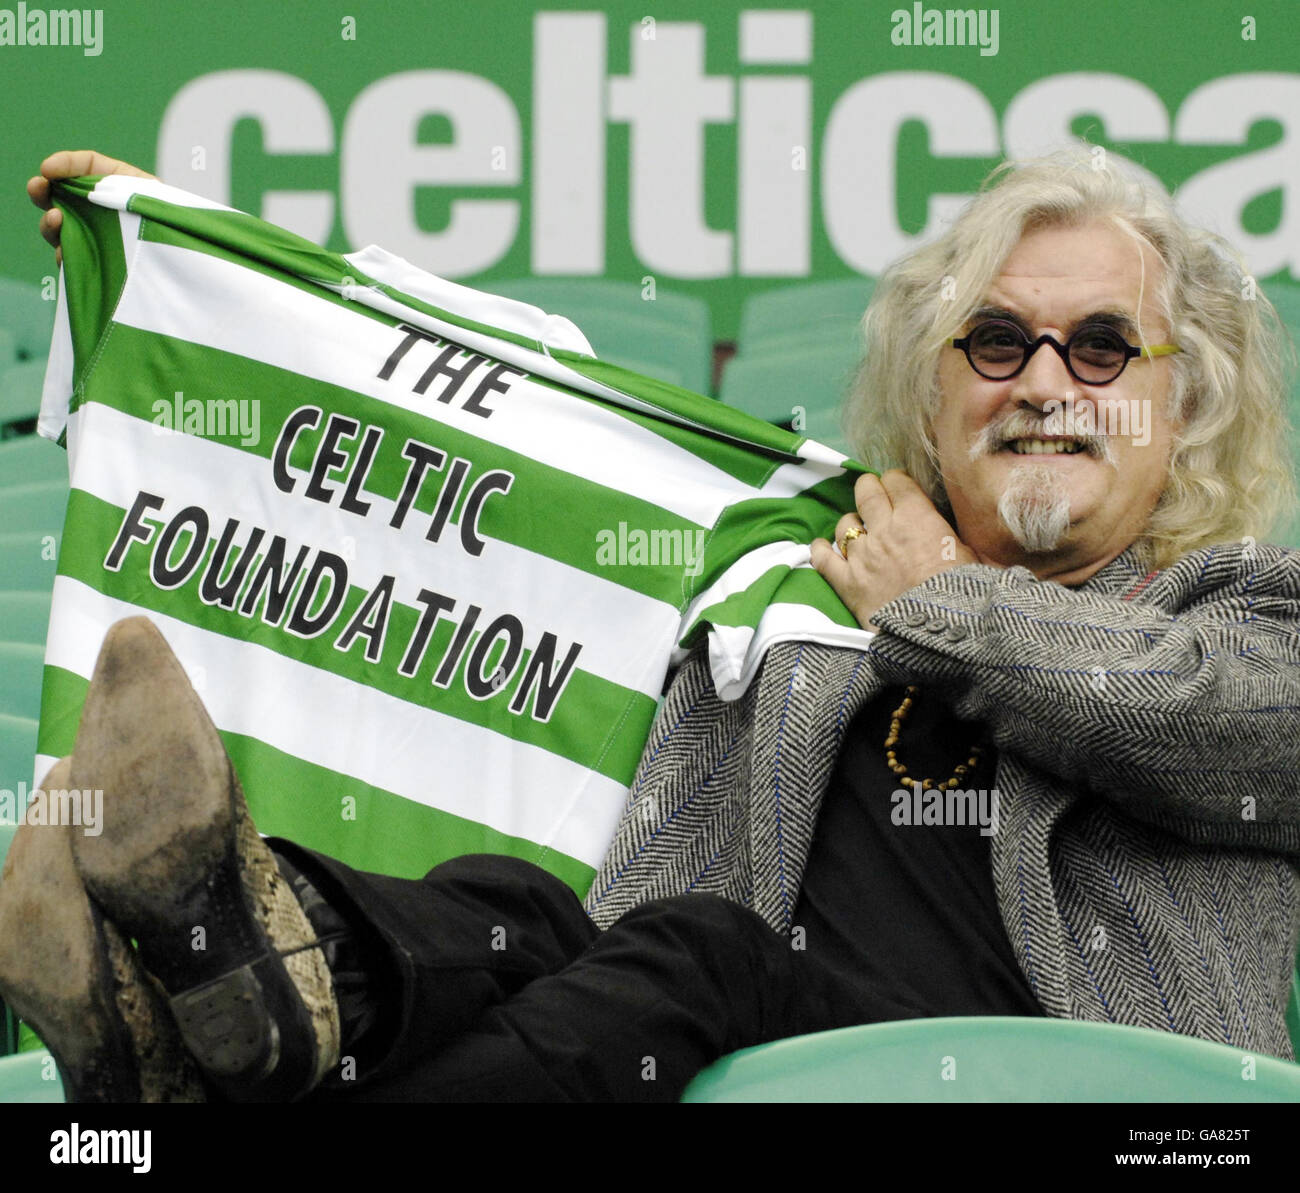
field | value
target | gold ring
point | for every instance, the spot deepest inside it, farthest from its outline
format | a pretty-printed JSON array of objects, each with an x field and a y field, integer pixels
[{"x": 849, "y": 535}]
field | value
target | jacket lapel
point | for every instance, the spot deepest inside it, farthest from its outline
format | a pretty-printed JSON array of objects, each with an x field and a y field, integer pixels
[{"x": 808, "y": 696}]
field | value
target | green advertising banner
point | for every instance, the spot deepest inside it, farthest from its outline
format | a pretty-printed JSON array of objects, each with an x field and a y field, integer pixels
[{"x": 717, "y": 149}]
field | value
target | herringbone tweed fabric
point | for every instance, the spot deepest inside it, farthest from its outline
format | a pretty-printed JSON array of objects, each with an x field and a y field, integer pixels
[{"x": 1147, "y": 857}]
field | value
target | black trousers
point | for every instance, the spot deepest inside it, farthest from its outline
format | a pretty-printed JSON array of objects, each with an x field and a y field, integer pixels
[{"x": 498, "y": 987}]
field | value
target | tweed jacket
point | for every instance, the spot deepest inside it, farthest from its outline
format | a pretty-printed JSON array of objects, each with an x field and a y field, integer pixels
[{"x": 1147, "y": 854}]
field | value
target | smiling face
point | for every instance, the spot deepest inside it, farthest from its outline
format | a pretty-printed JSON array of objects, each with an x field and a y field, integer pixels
[{"x": 1021, "y": 490}]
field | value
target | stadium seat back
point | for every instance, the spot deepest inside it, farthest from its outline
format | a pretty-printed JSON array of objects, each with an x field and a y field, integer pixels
[
  {"x": 24, "y": 565},
  {"x": 812, "y": 378},
  {"x": 39, "y": 506},
  {"x": 30, "y": 1077},
  {"x": 27, "y": 317},
  {"x": 559, "y": 295},
  {"x": 1293, "y": 1009},
  {"x": 786, "y": 314},
  {"x": 24, "y": 617},
  {"x": 669, "y": 337},
  {"x": 994, "y": 1059},
  {"x": 17, "y": 750},
  {"x": 21, "y": 667},
  {"x": 1285, "y": 296},
  {"x": 20, "y": 397},
  {"x": 29, "y": 459},
  {"x": 655, "y": 349}
]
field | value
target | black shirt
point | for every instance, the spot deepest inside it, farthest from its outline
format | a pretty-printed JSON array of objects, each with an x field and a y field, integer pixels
[{"x": 909, "y": 908}]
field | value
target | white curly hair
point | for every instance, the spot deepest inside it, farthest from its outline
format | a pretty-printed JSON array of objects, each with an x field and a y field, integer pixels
[{"x": 1230, "y": 472}]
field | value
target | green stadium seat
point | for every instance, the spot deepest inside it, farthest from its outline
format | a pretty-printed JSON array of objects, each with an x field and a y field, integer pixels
[
  {"x": 787, "y": 314},
  {"x": 21, "y": 667},
  {"x": 824, "y": 426},
  {"x": 994, "y": 1059},
  {"x": 20, "y": 397},
  {"x": 24, "y": 617},
  {"x": 23, "y": 566},
  {"x": 662, "y": 352},
  {"x": 555, "y": 294},
  {"x": 30, "y": 1077},
  {"x": 1293, "y": 1009},
  {"x": 1285, "y": 296},
  {"x": 1290, "y": 536},
  {"x": 814, "y": 376},
  {"x": 27, "y": 317},
  {"x": 661, "y": 370},
  {"x": 669, "y": 337},
  {"x": 17, "y": 751},
  {"x": 38, "y": 506},
  {"x": 656, "y": 350},
  {"x": 29, "y": 459}
]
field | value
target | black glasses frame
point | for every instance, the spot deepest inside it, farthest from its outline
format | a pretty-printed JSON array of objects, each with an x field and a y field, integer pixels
[{"x": 1029, "y": 347}]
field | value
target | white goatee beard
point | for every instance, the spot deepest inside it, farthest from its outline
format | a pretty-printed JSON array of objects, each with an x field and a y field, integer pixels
[{"x": 1035, "y": 508}]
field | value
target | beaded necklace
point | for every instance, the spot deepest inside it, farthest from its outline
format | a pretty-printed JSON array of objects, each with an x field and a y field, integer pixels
[{"x": 895, "y": 727}]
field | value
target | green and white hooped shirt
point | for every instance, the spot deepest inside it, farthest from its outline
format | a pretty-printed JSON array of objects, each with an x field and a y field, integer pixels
[{"x": 426, "y": 559}]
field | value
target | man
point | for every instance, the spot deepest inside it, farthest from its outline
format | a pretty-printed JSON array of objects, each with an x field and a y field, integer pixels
[{"x": 1075, "y": 619}]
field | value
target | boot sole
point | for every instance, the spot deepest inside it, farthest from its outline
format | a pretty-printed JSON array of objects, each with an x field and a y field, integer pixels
[
  {"x": 180, "y": 867},
  {"x": 70, "y": 974}
]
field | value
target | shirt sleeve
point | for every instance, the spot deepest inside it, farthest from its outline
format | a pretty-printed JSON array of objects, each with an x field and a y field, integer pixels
[
  {"x": 1182, "y": 707},
  {"x": 755, "y": 585}
]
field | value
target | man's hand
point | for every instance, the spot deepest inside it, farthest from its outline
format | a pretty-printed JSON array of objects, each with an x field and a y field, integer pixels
[
  {"x": 906, "y": 540},
  {"x": 70, "y": 163}
]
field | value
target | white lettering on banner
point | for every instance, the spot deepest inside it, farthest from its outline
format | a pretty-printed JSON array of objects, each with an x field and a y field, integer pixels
[
  {"x": 773, "y": 192},
  {"x": 1039, "y": 117},
  {"x": 383, "y": 163},
  {"x": 1222, "y": 112},
  {"x": 294, "y": 119},
  {"x": 859, "y": 158},
  {"x": 669, "y": 99},
  {"x": 568, "y": 214}
]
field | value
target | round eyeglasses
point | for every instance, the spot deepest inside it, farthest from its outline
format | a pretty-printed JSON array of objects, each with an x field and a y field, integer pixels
[{"x": 1095, "y": 354}]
